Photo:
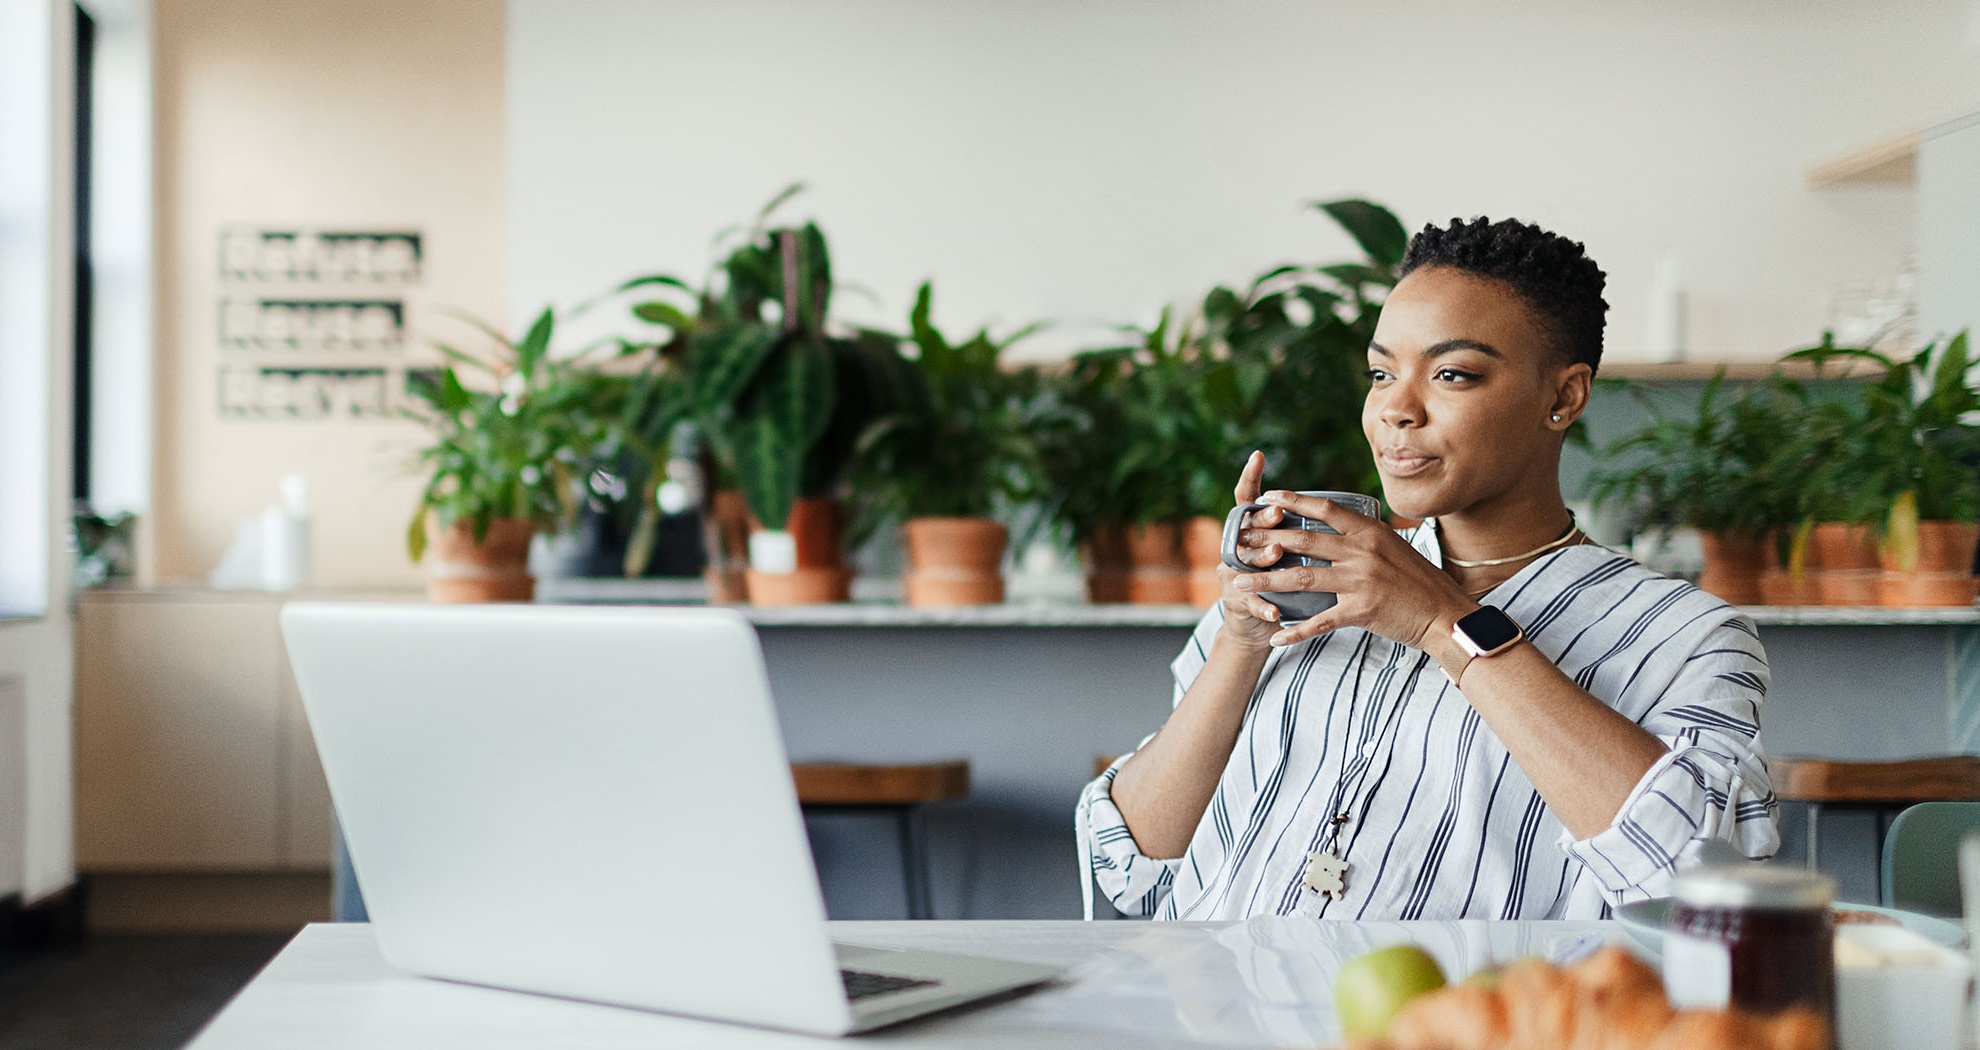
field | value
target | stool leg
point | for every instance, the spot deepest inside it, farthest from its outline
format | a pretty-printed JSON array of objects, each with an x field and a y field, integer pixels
[
  {"x": 1881, "y": 818},
  {"x": 914, "y": 863},
  {"x": 1814, "y": 835}
]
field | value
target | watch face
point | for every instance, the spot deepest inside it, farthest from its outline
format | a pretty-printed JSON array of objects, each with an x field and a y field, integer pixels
[{"x": 1488, "y": 628}]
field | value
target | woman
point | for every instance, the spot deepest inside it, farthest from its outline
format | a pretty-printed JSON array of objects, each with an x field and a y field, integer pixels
[{"x": 1499, "y": 719}]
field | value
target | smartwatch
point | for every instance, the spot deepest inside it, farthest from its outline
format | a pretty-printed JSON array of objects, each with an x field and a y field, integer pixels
[{"x": 1487, "y": 632}]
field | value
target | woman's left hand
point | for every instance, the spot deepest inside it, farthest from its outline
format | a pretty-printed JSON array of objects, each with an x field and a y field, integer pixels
[{"x": 1382, "y": 584}]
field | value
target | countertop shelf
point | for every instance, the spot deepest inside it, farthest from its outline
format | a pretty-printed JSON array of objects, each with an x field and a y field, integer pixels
[
  {"x": 876, "y": 604},
  {"x": 871, "y": 609}
]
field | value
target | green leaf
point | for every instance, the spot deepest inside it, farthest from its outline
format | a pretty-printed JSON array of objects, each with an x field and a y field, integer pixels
[
  {"x": 1376, "y": 229},
  {"x": 660, "y": 313},
  {"x": 767, "y": 468},
  {"x": 653, "y": 279},
  {"x": 462, "y": 357},
  {"x": 416, "y": 531},
  {"x": 776, "y": 202},
  {"x": 1355, "y": 275},
  {"x": 536, "y": 344},
  {"x": 722, "y": 363},
  {"x": 798, "y": 396},
  {"x": 454, "y": 397}
]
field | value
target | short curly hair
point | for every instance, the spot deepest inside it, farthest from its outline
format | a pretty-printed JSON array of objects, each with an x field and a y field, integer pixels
[{"x": 1554, "y": 275}]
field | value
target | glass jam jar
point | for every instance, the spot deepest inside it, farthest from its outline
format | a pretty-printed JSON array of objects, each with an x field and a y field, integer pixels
[{"x": 1758, "y": 938}]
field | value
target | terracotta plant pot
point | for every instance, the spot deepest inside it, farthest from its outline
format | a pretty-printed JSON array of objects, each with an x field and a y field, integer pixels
[
  {"x": 819, "y": 528},
  {"x": 1846, "y": 586},
  {"x": 801, "y": 587},
  {"x": 1159, "y": 576},
  {"x": 1105, "y": 553},
  {"x": 495, "y": 570},
  {"x": 1842, "y": 563},
  {"x": 726, "y": 526},
  {"x": 1943, "y": 547},
  {"x": 954, "y": 561},
  {"x": 1203, "y": 550},
  {"x": 1733, "y": 564},
  {"x": 817, "y": 531},
  {"x": 727, "y": 586},
  {"x": 1927, "y": 588},
  {"x": 1778, "y": 587},
  {"x": 1840, "y": 546}
]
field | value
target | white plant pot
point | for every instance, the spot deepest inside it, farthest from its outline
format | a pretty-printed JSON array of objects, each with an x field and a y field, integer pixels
[{"x": 773, "y": 551}]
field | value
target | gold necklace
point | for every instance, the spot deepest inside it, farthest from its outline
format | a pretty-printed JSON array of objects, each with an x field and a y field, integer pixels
[{"x": 1574, "y": 529}]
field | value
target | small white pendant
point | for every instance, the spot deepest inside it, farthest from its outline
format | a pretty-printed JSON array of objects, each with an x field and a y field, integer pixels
[{"x": 1326, "y": 873}]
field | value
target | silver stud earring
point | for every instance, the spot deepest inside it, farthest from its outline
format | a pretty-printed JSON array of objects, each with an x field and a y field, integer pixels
[{"x": 1557, "y": 417}]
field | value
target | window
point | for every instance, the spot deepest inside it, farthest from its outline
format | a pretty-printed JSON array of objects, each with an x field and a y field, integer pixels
[{"x": 28, "y": 290}]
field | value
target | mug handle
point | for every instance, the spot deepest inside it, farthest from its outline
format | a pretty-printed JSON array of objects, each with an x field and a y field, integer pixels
[{"x": 1233, "y": 524}]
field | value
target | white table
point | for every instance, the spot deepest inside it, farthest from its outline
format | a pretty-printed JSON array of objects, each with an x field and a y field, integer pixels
[{"x": 1256, "y": 984}]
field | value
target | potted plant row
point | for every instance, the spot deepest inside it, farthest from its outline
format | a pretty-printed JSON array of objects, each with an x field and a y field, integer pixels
[
  {"x": 1127, "y": 449},
  {"x": 1143, "y": 485},
  {"x": 1853, "y": 493},
  {"x": 1907, "y": 470}
]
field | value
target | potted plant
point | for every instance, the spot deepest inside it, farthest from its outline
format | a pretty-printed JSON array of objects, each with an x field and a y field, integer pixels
[
  {"x": 961, "y": 450},
  {"x": 1162, "y": 434},
  {"x": 499, "y": 464},
  {"x": 1719, "y": 471},
  {"x": 783, "y": 397},
  {"x": 1311, "y": 326},
  {"x": 1911, "y": 463},
  {"x": 1081, "y": 445}
]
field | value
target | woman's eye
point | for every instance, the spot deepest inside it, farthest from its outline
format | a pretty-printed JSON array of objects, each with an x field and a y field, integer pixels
[
  {"x": 1375, "y": 375},
  {"x": 1452, "y": 375}
]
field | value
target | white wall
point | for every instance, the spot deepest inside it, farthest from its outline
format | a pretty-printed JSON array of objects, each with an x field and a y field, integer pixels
[
  {"x": 1091, "y": 160},
  {"x": 36, "y": 676},
  {"x": 1949, "y": 228}
]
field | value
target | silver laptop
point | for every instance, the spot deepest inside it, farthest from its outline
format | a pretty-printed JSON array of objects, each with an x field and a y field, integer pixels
[{"x": 591, "y": 803}]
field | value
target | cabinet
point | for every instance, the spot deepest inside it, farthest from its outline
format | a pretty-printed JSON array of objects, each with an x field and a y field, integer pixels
[{"x": 192, "y": 753}]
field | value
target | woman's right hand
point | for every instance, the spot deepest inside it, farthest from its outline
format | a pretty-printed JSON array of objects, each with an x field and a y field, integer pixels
[{"x": 1250, "y": 620}]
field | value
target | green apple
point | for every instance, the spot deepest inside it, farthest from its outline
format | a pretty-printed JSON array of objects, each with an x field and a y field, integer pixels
[{"x": 1371, "y": 989}]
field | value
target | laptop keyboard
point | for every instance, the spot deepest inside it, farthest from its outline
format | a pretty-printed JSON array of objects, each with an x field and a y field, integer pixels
[{"x": 863, "y": 985}]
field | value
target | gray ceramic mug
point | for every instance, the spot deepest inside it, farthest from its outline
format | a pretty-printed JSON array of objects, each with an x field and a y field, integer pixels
[{"x": 1294, "y": 605}]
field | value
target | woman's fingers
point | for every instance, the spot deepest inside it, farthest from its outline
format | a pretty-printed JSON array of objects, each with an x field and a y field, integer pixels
[
  {"x": 1303, "y": 630},
  {"x": 1297, "y": 541},
  {"x": 1298, "y": 578},
  {"x": 1251, "y": 479},
  {"x": 1340, "y": 519},
  {"x": 1262, "y": 555}
]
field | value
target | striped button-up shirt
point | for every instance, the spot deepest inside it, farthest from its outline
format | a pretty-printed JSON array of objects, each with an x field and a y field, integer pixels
[{"x": 1442, "y": 822}]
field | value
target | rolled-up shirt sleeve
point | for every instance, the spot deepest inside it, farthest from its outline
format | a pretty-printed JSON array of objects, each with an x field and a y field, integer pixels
[
  {"x": 1713, "y": 782},
  {"x": 1136, "y": 883}
]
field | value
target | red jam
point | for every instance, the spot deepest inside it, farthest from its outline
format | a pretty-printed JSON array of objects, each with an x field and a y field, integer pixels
[{"x": 1759, "y": 939}]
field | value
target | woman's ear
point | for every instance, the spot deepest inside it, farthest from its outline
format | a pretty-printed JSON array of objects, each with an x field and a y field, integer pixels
[{"x": 1572, "y": 385}]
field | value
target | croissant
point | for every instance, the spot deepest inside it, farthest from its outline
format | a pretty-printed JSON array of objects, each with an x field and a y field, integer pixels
[
  {"x": 1465, "y": 1017},
  {"x": 1609, "y": 1001}
]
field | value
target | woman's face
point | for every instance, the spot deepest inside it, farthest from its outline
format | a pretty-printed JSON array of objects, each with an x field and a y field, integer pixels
[{"x": 1462, "y": 387}]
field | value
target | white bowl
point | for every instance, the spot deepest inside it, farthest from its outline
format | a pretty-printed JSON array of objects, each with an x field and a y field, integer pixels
[{"x": 1895, "y": 988}]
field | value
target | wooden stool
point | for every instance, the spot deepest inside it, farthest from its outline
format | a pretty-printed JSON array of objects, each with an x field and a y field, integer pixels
[
  {"x": 1876, "y": 786},
  {"x": 897, "y": 791}
]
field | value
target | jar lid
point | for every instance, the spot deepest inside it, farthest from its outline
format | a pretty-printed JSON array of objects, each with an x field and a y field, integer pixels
[{"x": 1757, "y": 886}]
